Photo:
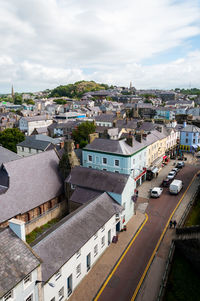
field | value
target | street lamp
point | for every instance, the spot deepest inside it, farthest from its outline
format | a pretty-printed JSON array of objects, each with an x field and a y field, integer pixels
[{"x": 42, "y": 281}]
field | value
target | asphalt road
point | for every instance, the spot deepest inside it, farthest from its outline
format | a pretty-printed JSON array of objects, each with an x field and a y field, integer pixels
[{"x": 124, "y": 281}]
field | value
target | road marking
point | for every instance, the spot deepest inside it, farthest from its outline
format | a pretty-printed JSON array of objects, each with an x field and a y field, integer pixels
[
  {"x": 121, "y": 258},
  {"x": 158, "y": 243}
]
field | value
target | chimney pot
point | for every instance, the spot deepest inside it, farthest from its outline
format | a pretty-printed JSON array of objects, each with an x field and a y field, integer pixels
[{"x": 18, "y": 227}]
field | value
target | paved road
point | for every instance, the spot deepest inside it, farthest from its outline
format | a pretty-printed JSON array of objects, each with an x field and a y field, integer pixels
[{"x": 124, "y": 281}]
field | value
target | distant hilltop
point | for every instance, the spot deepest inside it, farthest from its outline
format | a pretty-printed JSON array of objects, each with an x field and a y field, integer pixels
[{"x": 77, "y": 89}]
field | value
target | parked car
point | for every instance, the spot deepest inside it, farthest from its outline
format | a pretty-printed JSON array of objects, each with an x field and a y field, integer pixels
[
  {"x": 156, "y": 192},
  {"x": 171, "y": 175},
  {"x": 166, "y": 182},
  {"x": 180, "y": 164},
  {"x": 176, "y": 169}
]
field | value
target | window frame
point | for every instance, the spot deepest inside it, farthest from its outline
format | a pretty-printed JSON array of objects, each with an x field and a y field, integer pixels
[
  {"x": 104, "y": 158},
  {"x": 117, "y": 160}
]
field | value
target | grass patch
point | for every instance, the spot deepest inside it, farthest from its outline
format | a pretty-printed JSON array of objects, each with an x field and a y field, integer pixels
[
  {"x": 39, "y": 230},
  {"x": 194, "y": 215},
  {"x": 183, "y": 281}
]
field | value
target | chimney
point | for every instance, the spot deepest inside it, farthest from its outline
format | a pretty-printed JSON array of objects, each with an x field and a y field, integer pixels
[
  {"x": 129, "y": 139},
  {"x": 138, "y": 137},
  {"x": 18, "y": 227},
  {"x": 160, "y": 129}
]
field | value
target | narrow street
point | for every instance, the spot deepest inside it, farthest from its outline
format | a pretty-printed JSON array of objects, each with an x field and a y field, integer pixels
[{"x": 124, "y": 281}]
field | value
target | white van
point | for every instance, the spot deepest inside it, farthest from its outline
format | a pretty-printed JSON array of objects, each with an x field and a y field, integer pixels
[{"x": 175, "y": 186}]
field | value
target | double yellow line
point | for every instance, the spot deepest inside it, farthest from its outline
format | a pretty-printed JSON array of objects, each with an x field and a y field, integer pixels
[
  {"x": 120, "y": 260},
  {"x": 158, "y": 243}
]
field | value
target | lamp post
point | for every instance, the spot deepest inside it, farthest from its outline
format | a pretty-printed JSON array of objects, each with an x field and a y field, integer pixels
[{"x": 42, "y": 281}]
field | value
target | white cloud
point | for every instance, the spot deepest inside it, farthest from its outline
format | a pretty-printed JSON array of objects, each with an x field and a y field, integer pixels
[{"x": 47, "y": 43}]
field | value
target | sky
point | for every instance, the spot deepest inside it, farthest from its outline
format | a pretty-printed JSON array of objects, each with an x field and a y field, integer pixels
[{"x": 151, "y": 43}]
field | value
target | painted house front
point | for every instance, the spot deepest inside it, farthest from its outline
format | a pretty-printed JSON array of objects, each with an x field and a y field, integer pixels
[
  {"x": 117, "y": 156},
  {"x": 189, "y": 138}
]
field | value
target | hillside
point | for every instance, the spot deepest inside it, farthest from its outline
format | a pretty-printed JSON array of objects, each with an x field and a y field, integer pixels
[{"x": 77, "y": 89}]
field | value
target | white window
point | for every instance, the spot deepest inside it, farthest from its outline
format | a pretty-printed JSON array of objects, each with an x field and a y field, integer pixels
[
  {"x": 27, "y": 279},
  {"x": 78, "y": 270},
  {"x": 103, "y": 241},
  {"x": 103, "y": 228},
  {"x": 104, "y": 160},
  {"x": 58, "y": 275},
  {"x": 95, "y": 250},
  {"x": 61, "y": 293},
  {"x": 8, "y": 296},
  {"x": 95, "y": 235},
  {"x": 116, "y": 162},
  {"x": 30, "y": 298},
  {"x": 89, "y": 158},
  {"x": 78, "y": 254}
]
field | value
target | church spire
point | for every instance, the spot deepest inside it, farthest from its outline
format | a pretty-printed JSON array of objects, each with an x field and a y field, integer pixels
[{"x": 12, "y": 92}]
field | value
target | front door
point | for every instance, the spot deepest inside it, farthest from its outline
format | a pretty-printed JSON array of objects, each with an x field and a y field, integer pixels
[
  {"x": 88, "y": 261},
  {"x": 109, "y": 237},
  {"x": 69, "y": 285}
]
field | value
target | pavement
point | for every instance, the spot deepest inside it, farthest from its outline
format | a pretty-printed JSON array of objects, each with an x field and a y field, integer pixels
[{"x": 92, "y": 282}]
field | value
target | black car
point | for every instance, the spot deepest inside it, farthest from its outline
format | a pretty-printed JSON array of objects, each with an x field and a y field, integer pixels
[{"x": 166, "y": 182}]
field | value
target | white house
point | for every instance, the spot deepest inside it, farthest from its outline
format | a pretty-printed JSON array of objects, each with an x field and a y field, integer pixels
[
  {"x": 71, "y": 249},
  {"x": 20, "y": 267},
  {"x": 28, "y": 124}
]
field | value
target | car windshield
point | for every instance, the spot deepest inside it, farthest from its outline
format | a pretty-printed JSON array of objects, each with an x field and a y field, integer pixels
[
  {"x": 154, "y": 192},
  {"x": 171, "y": 173}
]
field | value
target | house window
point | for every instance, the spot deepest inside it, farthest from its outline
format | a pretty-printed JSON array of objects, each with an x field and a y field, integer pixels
[
  {"x": 89, "y": 158},
  {"x": 29, "y": 149},
  {"x": 186, "y": 140},
  {"x": 104, "y": 160},
  {"x": 8, "y": 296},
  {"x": 96, "y": 235},
  {"x": 124, "y": 206},
  {"x": 194, "y": 134},
  {"x": 116, "y": 162},
  {"x": 133, "y": 161},
  {"x": 103, "y": 229},
  {"x": 22, "y": 148},
  {"x": 103, "y": 241},
  {"x": 105, "y": 169},
  {"x": 27, "y": 279},
  {"x": 186, "y": 134},
  {"x": 78, "y": 254},
  {"x": 78, "y": 270},
  {"x": 193, "y": 140},
  {"x": 95, "y": 250},
  {"x": 116, "y": 171},
  {"x": 61, "y": 294},
  {"x": 57, "y": 275},
  {"x": 30, "y": 298}
]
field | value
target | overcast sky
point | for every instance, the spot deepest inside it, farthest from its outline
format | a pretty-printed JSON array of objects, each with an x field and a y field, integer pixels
[{"x": 153, "y": 43}]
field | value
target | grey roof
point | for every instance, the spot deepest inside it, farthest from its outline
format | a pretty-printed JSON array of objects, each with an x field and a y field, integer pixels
[
  {"x": 97, "y": 179},
  {"x": 115, "y": 146},
  {"x": 17, "y": 260},
  {"x": 105, "y": 118},
  {"x": 40, "y": 142},
  {"x": 35, "y": 144},
  {"x": 6, "y": 155},
  {"x": 73, "y": 233},
  {"x": 191, "y": 128},
  {"x": 41, "y": 130},
  {"x": 36, "y": 118},
  {"x": 83, "y": 195},
  {"x": 33, "y": 180}
]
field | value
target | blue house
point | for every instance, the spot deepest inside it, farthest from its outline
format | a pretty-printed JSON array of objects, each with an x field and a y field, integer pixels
[
  {"x": 189, "y": 138},
  {"x": 165, "y": 113},
  {"x": 117, "y": 156}
]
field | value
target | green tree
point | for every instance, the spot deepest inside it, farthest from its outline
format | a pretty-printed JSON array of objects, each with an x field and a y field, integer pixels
[
  {"x": 17, "y": 99},
  {"x": 30, "y": 102},
  {"x": 9, "y": 138},
  {"x": 81, "y": 134}
]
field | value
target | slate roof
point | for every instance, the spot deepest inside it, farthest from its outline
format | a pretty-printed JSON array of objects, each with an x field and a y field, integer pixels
[
  {"x": 191, "y": 128},
  {"x": 97, "y": 179},
  {"x": 105, "y": 118},
  {"x": 83, "y": 195},
  {"x": 119, "y": 147},
  {"x": 35, "y": 144},
  {"x": 33, "y": 180},
  {"x": 36, "y": 118},
  {"x": 40, "y": 142},
  {"x": 6, "y": 155},
  {"x": 17, "y": 260},
  {"x": 76, "y": 229}
]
